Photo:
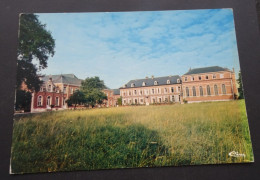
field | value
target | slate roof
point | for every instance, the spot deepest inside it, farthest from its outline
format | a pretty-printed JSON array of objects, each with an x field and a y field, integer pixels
[
  {"x": 150, "y": 81},
  {"x": 206, "y": 69},
  {"x": 63, "y": 78},
  {"x": 116, "y": 91}
]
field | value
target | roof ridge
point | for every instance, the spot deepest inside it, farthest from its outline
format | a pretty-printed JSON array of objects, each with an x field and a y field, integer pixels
[
  {"x": 154, "y": 77},
  {"x": 206, "y": 69}
]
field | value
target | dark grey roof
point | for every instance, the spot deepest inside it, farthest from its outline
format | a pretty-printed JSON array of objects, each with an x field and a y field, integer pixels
[
  {"x": 116, "y": 91},
  {"x": 150, "y": 81},
  {"x": 206, "y": 69},
  {"x": 63, "y": 78}
]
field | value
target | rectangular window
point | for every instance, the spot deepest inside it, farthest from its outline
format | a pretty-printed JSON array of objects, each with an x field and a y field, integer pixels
[
  {"x": 216, "y": 89},
  {"x": 193, "y": 91},
  {"x": 208, "y": 90},
  {"x": 187, "y": 92},
  {"x": 224, "y": 89},
  {"x": 201, "y": 91},
  {"x": 172, "y": 89},
  {"x": 57, "y": 101}
]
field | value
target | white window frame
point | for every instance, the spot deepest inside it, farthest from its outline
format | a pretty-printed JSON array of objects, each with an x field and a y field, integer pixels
[
  {"x": 39, "y": 103},
  {"x": 48, "y": 103},
  {"x": 56, "y": 101}
]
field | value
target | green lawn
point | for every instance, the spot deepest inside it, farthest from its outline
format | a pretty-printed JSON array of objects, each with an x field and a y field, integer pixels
[{"x": 140, "y": 136}]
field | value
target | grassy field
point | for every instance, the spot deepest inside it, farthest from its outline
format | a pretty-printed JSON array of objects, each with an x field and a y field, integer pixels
[{"x": 139, "y": 136}]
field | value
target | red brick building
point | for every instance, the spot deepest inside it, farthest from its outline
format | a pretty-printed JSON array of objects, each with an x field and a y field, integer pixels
[
  {"x": 112, "y": 97},
  {"x": 209, "y": 84},
  {"x": 54, "y": 92},
  {"x": 152, "y": 90},
  {"x": 197, "y": 85}
]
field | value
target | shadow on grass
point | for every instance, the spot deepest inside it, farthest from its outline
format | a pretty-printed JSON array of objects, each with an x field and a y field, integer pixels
[{"x": 102, "y": 147}]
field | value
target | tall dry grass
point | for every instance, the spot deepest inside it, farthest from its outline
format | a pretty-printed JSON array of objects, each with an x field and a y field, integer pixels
[{"x": 139, "y": 136}]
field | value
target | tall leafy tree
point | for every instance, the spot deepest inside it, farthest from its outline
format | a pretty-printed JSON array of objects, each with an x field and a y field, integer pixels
[
  {"x": 91, "y": 83},
  {"x": 76, "y": 98},
  {"x": 92, "y": 88},
  {"x": 23, "y": 100},
  {"x": 240, "y": 89},
  {"x": 35, "y": 44}
]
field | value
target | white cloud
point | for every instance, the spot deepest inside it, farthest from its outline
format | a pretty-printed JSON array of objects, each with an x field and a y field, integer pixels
[{"x": 122, "y": 46}]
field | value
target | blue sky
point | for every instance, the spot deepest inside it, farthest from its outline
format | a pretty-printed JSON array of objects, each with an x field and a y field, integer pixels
[{"x": 121, "y": 46}]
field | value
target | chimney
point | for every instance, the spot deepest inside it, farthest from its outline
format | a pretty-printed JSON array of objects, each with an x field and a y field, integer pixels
[
  {"x": 146, "y": 77},
  {"x": 152, "y": 76}
]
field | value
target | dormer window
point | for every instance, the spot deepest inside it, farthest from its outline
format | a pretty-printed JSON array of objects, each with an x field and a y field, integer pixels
[
  {"x": 132, "y": 85},
  {"x": 125, "y": 86},
  {"x": 143, "y": 84},
  {"x": 168, "y": 81},
  {"x": 155, "y": 83},
  {"x": 207, "y": 77},
  {"x": 186, "y": 79},
  {"x": 178, "y": 80}
]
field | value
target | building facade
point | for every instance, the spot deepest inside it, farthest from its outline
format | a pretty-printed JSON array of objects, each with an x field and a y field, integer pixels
[
  {"x": 197, "y": 85},
  {"x": 152, "y": 90},
  {"x": 209, "y": 84},
  {"x": 112, "y": 97},
  {"x": 54, "y": 92}
]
